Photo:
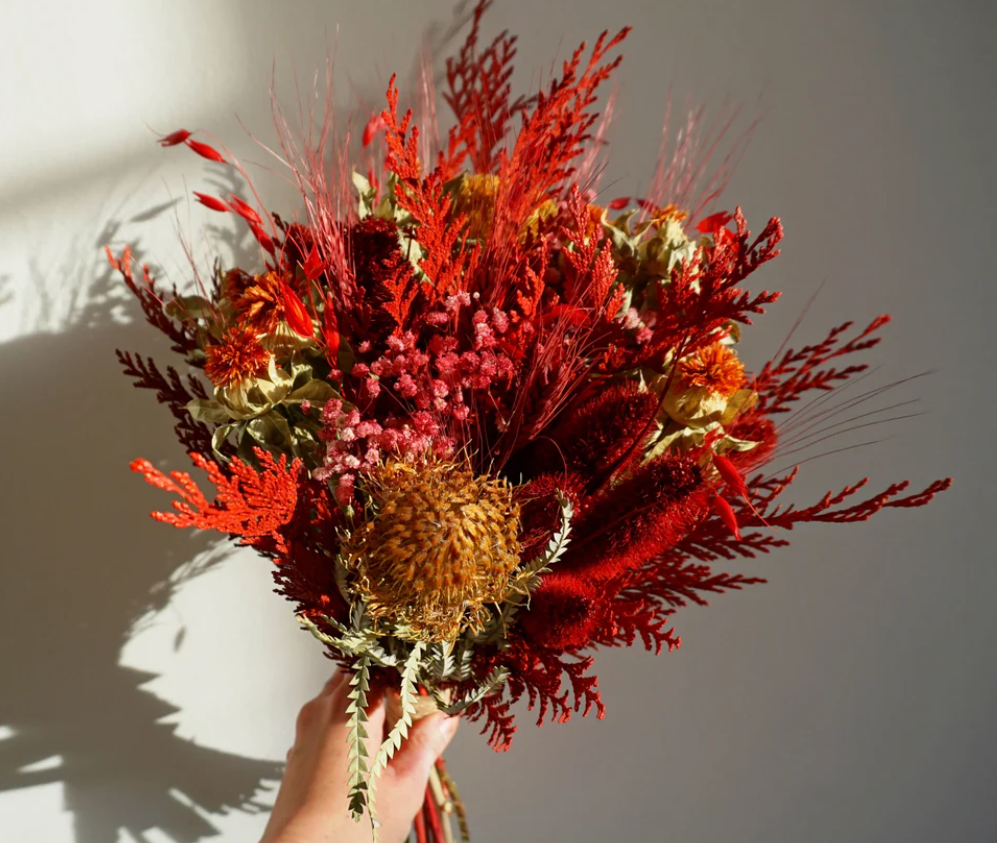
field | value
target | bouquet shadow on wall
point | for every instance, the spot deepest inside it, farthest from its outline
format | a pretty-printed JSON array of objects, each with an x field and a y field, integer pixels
[{"x": 84, "y": 565}]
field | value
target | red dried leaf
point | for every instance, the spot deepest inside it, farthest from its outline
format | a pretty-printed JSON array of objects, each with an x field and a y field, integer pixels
[{"x": 295, "y": 312}]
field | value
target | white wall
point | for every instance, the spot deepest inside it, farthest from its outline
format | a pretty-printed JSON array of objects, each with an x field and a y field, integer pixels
[{"x": 849, "y": 699}]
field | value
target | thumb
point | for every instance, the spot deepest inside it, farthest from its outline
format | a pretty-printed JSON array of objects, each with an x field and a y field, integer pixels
[
  {"x": 426, "y": 741},
  {"x": 404, "y": 781}
]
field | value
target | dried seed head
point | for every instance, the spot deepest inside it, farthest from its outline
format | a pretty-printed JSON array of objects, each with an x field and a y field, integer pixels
[
  {"x": 476, "y": 198},
  {"x": 439, "y": 546}
]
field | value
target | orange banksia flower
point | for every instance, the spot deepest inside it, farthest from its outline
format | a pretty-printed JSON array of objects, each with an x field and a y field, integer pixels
[{"x": 440, "y": 545}]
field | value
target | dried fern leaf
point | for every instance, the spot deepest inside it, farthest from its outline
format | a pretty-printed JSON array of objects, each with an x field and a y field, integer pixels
[{"x": 357, "y": 734}]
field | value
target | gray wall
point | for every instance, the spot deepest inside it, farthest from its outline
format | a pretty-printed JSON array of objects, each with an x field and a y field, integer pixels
[{"x": 851, "y": 699}]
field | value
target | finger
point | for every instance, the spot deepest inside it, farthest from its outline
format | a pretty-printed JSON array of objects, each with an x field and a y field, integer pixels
[{"x": 334, "y": 682}]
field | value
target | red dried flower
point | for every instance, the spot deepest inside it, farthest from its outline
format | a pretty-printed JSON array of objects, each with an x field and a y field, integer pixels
[
  {"x": 643, "y": 516},
  {"x": 260, "y": 304},
  {"x": 600, "y": 437}
]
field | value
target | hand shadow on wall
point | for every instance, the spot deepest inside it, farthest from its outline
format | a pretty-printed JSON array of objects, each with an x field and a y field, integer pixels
[{"x": 84, "y": 564}]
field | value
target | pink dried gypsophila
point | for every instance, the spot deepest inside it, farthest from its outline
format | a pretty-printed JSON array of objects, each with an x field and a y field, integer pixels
[
  {"x": 436, "y": 380},
  {"x": 355, "y": 444}
]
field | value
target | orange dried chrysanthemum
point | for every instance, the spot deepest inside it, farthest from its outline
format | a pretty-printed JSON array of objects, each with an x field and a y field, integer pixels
[
  {"x": 239, "y": 356},
  {"x": 260, "y": 303},
  {"x": 439, "y": 546},
  {"x": 715, "y": 368}
]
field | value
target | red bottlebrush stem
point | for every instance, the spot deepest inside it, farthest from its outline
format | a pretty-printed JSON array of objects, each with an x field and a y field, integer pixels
[
  {"x": 313, "y": 266},
  {"x": 637, "y": 519},
  {"x": 432, "y": 814},
  {"x": 601, "y": 432},
  {"x": 295, "y": 312},
  {"x": 205, "y": 151},
  {"x": 376, "y": 124},
  {"x": 564, "y": 613},
  {"x": 419, "y": 823},
  {"x": 726, "y": 513},
  {"x": 211, "y": 202},
  {"x": 174, "y": 138}
]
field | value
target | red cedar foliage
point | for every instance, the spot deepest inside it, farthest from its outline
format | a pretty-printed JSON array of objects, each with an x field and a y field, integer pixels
[
  {"x": 151, "y": 299},
  {"x": 170, "y": 390},
  {"x": 552, "y": 136},
  {"x": 783, "y": 381},
  {"x": 538, "y": 675},
  {"x": 479, "y": 92},
  {"x": 303, "y": 574},
  {"x": 448, "y": 261},
  {"x": 590, "y": 270},
  {"x": 251, "y": 504}
]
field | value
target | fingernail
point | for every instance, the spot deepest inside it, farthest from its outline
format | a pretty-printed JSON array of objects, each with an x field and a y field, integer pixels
[{"x": 449, "y": 726}]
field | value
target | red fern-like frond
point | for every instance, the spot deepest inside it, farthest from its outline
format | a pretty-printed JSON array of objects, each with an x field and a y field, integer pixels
[
  {"x": 170, "y": 390},
  {"x": 711, "y": 539},
  {"x": 796, "y": 372},
  {"x": 703, "y": 295},
  {"x": 634, "y": 615},
  {"x": 539, "y": 675},
  {"x": 551, "y": 137},
  {"x": 151, "y": 300},
  {"x": 499, "y": 725},
  {"x": 252, "y": 504},
  {"x": 447, "y": 261}
]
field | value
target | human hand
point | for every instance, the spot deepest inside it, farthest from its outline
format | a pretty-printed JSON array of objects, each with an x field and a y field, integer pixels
[{"x": 311, "y": 805}]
